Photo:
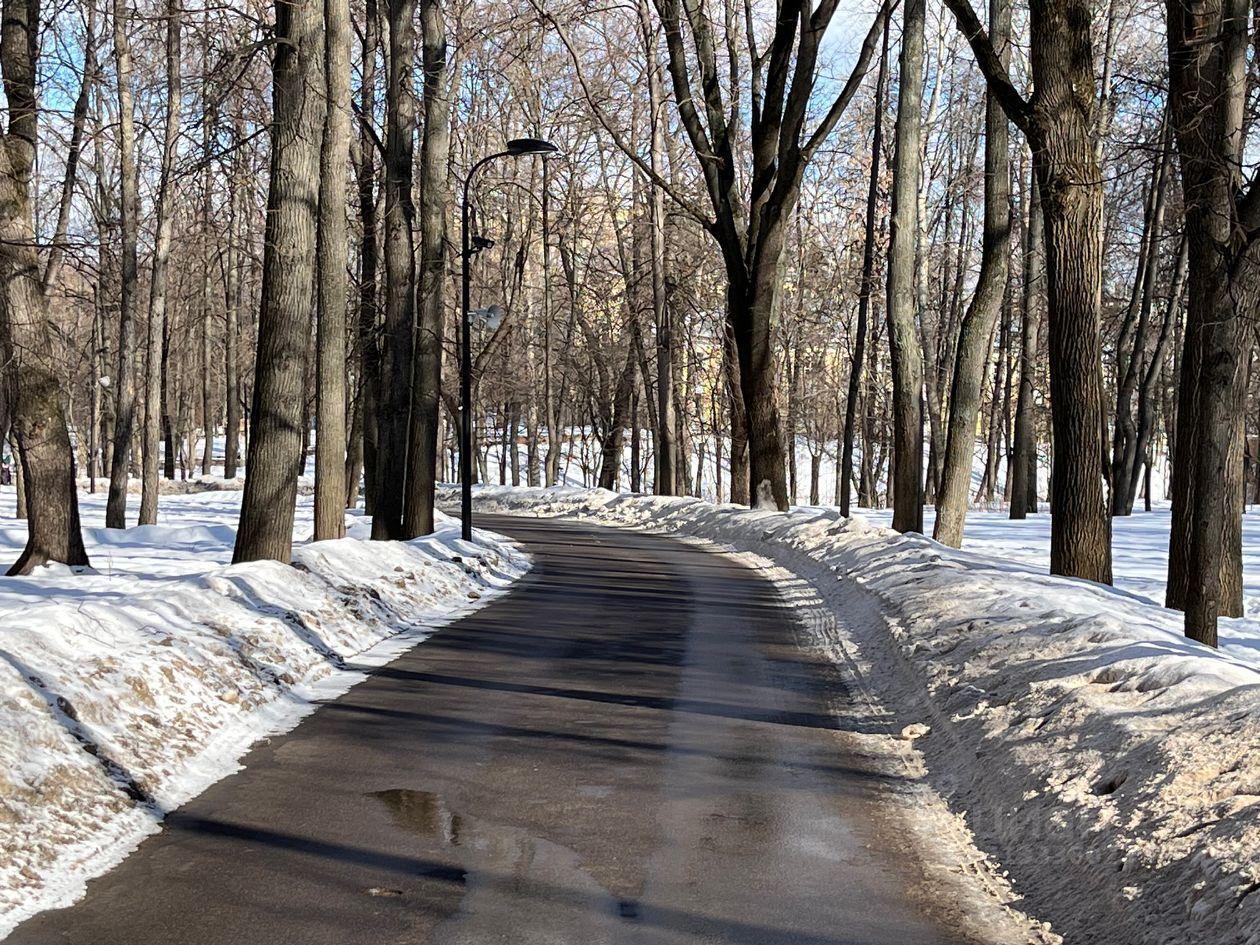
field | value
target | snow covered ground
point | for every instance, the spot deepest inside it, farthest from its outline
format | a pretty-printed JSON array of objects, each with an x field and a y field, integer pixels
[
  {"x": 1111, "y": 766},
  {"x": 1139, "y": 546},
  {"x": 127, "y": 689}
]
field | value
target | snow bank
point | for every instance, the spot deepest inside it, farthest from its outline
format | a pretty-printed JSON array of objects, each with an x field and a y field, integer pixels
[
  {"x": 1111, "y": 765},
  {"x": 131, "y": 687}
]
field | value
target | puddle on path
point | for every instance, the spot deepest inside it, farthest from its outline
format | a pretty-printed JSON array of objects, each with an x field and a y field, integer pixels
[{"x": 505, "y": 877}]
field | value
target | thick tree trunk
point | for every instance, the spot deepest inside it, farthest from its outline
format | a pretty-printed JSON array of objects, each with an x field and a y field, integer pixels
[
  {"x": 330, "y": 333},
  {"x": 400, "y": 272},
  {"x": 977, "y": 325},
  {"x": 124, "y": 377},
  {"x": 903, "y": 336},
  {"x": 32, "y": 380},
  {"x": 154, "y": 378},
  {"x": 1061, "y": 122},
  {"x": 1208, "y": 53},
  {"x": 288, "y": 286},
  {"x": 751, "y": 307},
  {"x": 435, "y": 147},
  {"x": 1071, "y": 201}
]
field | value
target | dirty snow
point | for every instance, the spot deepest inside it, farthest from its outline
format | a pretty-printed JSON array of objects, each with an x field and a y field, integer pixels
[
  {"x": 1108, "y": 764},
  {"x": 130, "y": 688}
]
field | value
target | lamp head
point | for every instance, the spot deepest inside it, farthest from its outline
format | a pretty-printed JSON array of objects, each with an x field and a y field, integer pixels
[{"x": 520, "y": 146}]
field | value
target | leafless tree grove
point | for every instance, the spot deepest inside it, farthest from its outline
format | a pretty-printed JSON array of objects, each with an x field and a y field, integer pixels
[{"x": 905, "y": 253}]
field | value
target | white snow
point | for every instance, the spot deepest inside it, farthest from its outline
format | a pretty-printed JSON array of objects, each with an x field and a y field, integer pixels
[
  {"x": 1111, "y": 766},
  {"x": 129, "y": 688}
]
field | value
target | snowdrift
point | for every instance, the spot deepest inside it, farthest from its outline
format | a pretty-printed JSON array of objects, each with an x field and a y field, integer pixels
[
  {"x": 126, "y": 690},
  {"x": 1112, "y": 766}
]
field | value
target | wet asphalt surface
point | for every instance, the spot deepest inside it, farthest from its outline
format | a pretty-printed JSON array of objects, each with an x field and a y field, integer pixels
[{"x": 629, "y": 747}]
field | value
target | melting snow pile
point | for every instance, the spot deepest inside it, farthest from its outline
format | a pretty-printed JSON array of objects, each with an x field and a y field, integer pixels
[
  {"x": 127, "y": 689},
  {"x": 1112, "y": 766}
]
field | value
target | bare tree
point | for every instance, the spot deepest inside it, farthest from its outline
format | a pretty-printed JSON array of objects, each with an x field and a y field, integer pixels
[
  {"x": 903, "y": 333},
  {"x": 124, "y": 377},
  {"x": 1208, "y": 63},
  {"x": 1060, "y": 122},
  {"x": 986, "y": 302},
  {"x": 435, "y": 148},
  {"x": 288, "y": 289},
  {"x": 330, "y": 344},
  {"x": 400, "y": 272},
  {"x": 32, "y": 384},
  {"x": 156, "y": 331}
]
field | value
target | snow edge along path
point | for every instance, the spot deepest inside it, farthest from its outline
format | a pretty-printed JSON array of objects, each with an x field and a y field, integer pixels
[
  {"x": 1110, "y": 765},
  {"x": 115, "y": 710}
]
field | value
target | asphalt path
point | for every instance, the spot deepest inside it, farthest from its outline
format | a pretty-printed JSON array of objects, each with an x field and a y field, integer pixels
[{"x": 630, "y": 746}]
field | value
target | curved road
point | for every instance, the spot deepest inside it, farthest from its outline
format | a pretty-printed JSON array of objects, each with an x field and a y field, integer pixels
[{"x": 629, "y": 747}]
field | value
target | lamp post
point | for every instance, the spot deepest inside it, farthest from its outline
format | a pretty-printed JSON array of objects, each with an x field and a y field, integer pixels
[{"x": 518, "y": 147}]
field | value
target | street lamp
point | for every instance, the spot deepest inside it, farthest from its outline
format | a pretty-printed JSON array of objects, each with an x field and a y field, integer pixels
[{"x": 517, "y": 147}]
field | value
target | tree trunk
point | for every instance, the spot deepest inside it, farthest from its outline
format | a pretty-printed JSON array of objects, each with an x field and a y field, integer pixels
[
  {"x": 1207, "y": 54},
  {"x": 400, "y": 272},
  {"x": 614, "y": 442},
  {"x": 288, "y": 286},
  {"x": 124, "y": 378},
  {"x": 161, "y": 253},
  {"x": 1061, "y": 122},
  {"x": 1063, "y": 158},
  {"x": 1131, "y": 348},
  {"x": 903, "y": 337},
  {"x": 844, "y": 474},
  {"x": 46, "y": 476},
  {"x": 665, "y": 473},
  {"x": 977, "y": 324},
  {"x": 330, "y": 333},
  {"x": 238, "y": 230},
  {"x": 208, "y": 267},
  {"x": 369, "y": 345},
  {"x": 435, "y": 147},
  {"x": 1024, "y": 473},
  {"x": 739, "y": 420}
]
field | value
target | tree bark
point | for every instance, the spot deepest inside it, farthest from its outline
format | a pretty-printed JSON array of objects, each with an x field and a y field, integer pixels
[
  {"x": 368, "y": 340},
  {"x": 903, "y": 337},
  {"x": 31, "y": 378},
  {"x": 330, "y": 333},
  {"x": 238, "y": 231},
  {"x": 856, "y": 363},
  {"x": 124, "y": 377},
  {"x": 288, "y": 285},
  {"x": 1024, "y": 473},
  {"x": 156, "y": 331},
  {"x": 1207, "y": 56},
  {"x": 435, "y": 148},
  {"x": 400, "y": 272},
  {"x": 1061, "y": 122},
  {"x": 977, "y": 325}
]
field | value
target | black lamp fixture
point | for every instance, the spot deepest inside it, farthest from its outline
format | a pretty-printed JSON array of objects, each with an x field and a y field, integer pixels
[{"x": 517, "y": 147}]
